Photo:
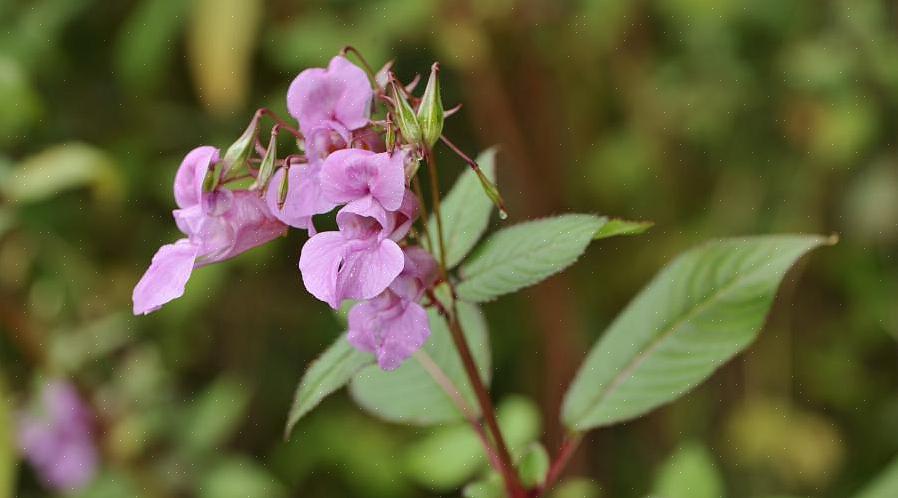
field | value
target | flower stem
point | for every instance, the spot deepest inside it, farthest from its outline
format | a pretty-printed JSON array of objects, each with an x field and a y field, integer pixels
[
  {"x": 568, "y": 448},
  {"x": 512, "y": 484}
]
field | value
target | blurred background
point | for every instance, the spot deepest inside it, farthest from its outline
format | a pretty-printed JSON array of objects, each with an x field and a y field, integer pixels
[{"x": 710, "y": 117}]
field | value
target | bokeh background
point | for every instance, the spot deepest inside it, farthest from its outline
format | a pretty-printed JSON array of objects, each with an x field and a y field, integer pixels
[{"x": 710, "y": 117}]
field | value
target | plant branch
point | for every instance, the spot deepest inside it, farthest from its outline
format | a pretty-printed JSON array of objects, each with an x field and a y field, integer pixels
[
  {"x": 568, "y": 448},
  {"x": 512, "y": 484}
]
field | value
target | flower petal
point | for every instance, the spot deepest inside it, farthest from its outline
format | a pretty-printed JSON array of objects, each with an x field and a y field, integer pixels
[
  {"x": 166, "y": 277},
  {"x": 319, "y": 262},
  {"x": 189, "y": 178}
]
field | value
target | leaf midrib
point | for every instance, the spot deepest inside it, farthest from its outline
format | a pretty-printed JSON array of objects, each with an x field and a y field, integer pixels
[{"x": 624, "y": 374}]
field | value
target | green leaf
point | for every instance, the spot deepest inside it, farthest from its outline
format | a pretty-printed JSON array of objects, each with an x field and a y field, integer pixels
[
  {"x": 689, "y": 473},
  {"x": 331, "y": 371},
  {"x": 700, "y": 311},
  {"x": 523, "y": 255},
  {"x": 884, "y": 486},
  {"x": 60, "y": 168},
  {"x": 240, "y": 477},
  {"x": 409, "y": 394},
  {"x": 534, "y": 465},
  {"x": 490, "y": 486},
  {"x": 214, "y": 416},
  {"x": 577, "y": 487},
  {"x": 466, "y": 212},
  {"x": 452, "y": 455},
  {"x": 7, "y": 448},
  {"x": 617, "y": 226},
  {"x": 148, "y": 42}
]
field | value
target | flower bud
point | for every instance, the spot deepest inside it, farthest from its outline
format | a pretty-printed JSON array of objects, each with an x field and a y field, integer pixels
[
  {"x": 283, "y": 187},
  {"x": 492, "y": 192},
  {"x": 405, "y": 117},
  {"x": 266, "y": 169},
  {"x": 430, "y": 112},
  {"x": 239, "y": 151}
]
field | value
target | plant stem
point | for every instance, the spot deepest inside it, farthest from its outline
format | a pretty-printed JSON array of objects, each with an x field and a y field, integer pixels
[
  {"x": 568, "y": 448},
  {"x": 509, "y": 475}
]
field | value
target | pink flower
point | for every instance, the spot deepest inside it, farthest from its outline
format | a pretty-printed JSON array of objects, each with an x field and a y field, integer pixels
[
  {"x": 304, "y": 196},
  {"x": 393, "y": 325},
  {"x": 357, "y": 262},
  {"x": 219, "y": 225},
  {"x": 360, "y": 178},
  {"x": 57, "y": 439},
  {"x": 337, "y": 98}
]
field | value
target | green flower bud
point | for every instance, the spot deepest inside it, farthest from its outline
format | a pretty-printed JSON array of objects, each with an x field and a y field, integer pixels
[
  {"x": 405, "y": 117},
  {"x": 430, "y": 112},
  {"x": 266, "y": 169}
]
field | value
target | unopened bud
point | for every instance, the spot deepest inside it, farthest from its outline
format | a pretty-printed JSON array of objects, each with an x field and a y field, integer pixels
[
  {"x": 405, "y": 117},
  {"x": 430, "y": 112},
  {"x": 239, "y": 151},
  {"x": 266, "y": 168},
  {"x": 382, "y": 78},
  {"x": 492, "y": 192},
  {"x": 283, "y": 187}
]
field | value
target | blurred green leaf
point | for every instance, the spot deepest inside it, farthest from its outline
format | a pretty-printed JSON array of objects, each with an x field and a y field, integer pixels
[
  {"x": 239, "y": 477},
  {"x": 214, "y": 416},
  {"x": 147, "y": 42},
  {"x": 525, "y": 254},
  {"x": 534, "y": 465},
  {"x": 452, "y": 455},
  {"x": 111, "y": 484},
  {"x": 466, "y": 212},
  {"x": 409, "y": 394},
  {"x": 71, "y": 349},
  {"x": 221, "y": 44},
  {"x": 7, "y": 445},
  {"x": 884, "y": 486},
  {"x": 64, "y": 167},
  {"x": 20, "y": 105},
  {"x": 489, "y": 487},
  {"x": 577, "y": 487},
  {"x": 689, "y": 473},
  {"x": 617, "y": 226},
  {"x": 329, "y": 372},
  {"x": 697, "y": 313}
]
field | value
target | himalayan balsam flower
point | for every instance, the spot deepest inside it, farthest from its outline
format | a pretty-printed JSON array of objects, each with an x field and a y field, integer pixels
[
  {"x": 56, "y": 438},
  {"x": 393, "y": 325},
  {"x": 344, "y": 163},
  {"x": 219, "y": 225}
]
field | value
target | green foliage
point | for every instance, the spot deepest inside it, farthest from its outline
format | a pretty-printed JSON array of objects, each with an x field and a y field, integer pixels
[
  {"x": 617, "y": 226},
  {"x": 64, "y": 167},
  {"x": 213, "y": 416},
  {"x": 7, "y": 445},
  {"x": 525, "y": 254},
  {"x": 884, "y": 486},
  {"x": 452, "y": 455},
  {"x": 466, "y": 212},
  {"x": 697, "y": 313},
  {"x": 240, "y": 478},
  {"x": 410, "y": 394},
  {"x": 578, "y": 487},
  {"x": 534, "y": 465},
  {"x": 689, "y": 473},
  {"x": 331, "y": 371}
]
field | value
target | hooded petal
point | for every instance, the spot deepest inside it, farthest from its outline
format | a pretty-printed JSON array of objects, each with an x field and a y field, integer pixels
[
  {"x": 189, "y": 178},
  {"x": 351, "y": 174},
  {"x": 304, "y": 196},
  {"x": 166, "y": 277},
  {"x": 341, "y": 93},
  {"x": 389, "y": 327},
  {"x": 369, "y": 271},
  {"x": 319, "y": 262}
]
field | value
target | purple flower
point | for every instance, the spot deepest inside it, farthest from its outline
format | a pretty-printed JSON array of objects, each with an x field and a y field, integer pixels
[
  {"x": 337, "y": 98},
  {"x": 393, "y": 325},
  {"x": 362, "y": 178},
  {"x": 304, "y": 196},
  {"x": 219, "y": 225},
  {"x": 57, "y": 439}
]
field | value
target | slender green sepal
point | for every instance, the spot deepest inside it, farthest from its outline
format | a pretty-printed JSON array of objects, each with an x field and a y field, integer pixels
[
  {"x": 492, "y": 192},
  {"x": 283, "y": 187}
]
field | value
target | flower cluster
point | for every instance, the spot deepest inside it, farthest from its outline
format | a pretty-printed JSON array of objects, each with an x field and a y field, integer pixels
[
  {"x": 229, "y": 204},
  {"x": 57, "y": 438}
]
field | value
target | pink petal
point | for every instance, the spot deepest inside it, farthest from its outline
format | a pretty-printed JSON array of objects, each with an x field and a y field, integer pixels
[
  {"x": 407, "y": 333},
  {"x": 341, "y": 93},
  {"x": 368, "y": 272},
  {"x": 304, "y": 196},
  {"x": 346, "y": 175},
  {"x": 166, "y": 277},
  {"x": 189, "y": 178},
  {"x": 389, "y": 184},
  {"x": 319, "y": 263}
]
